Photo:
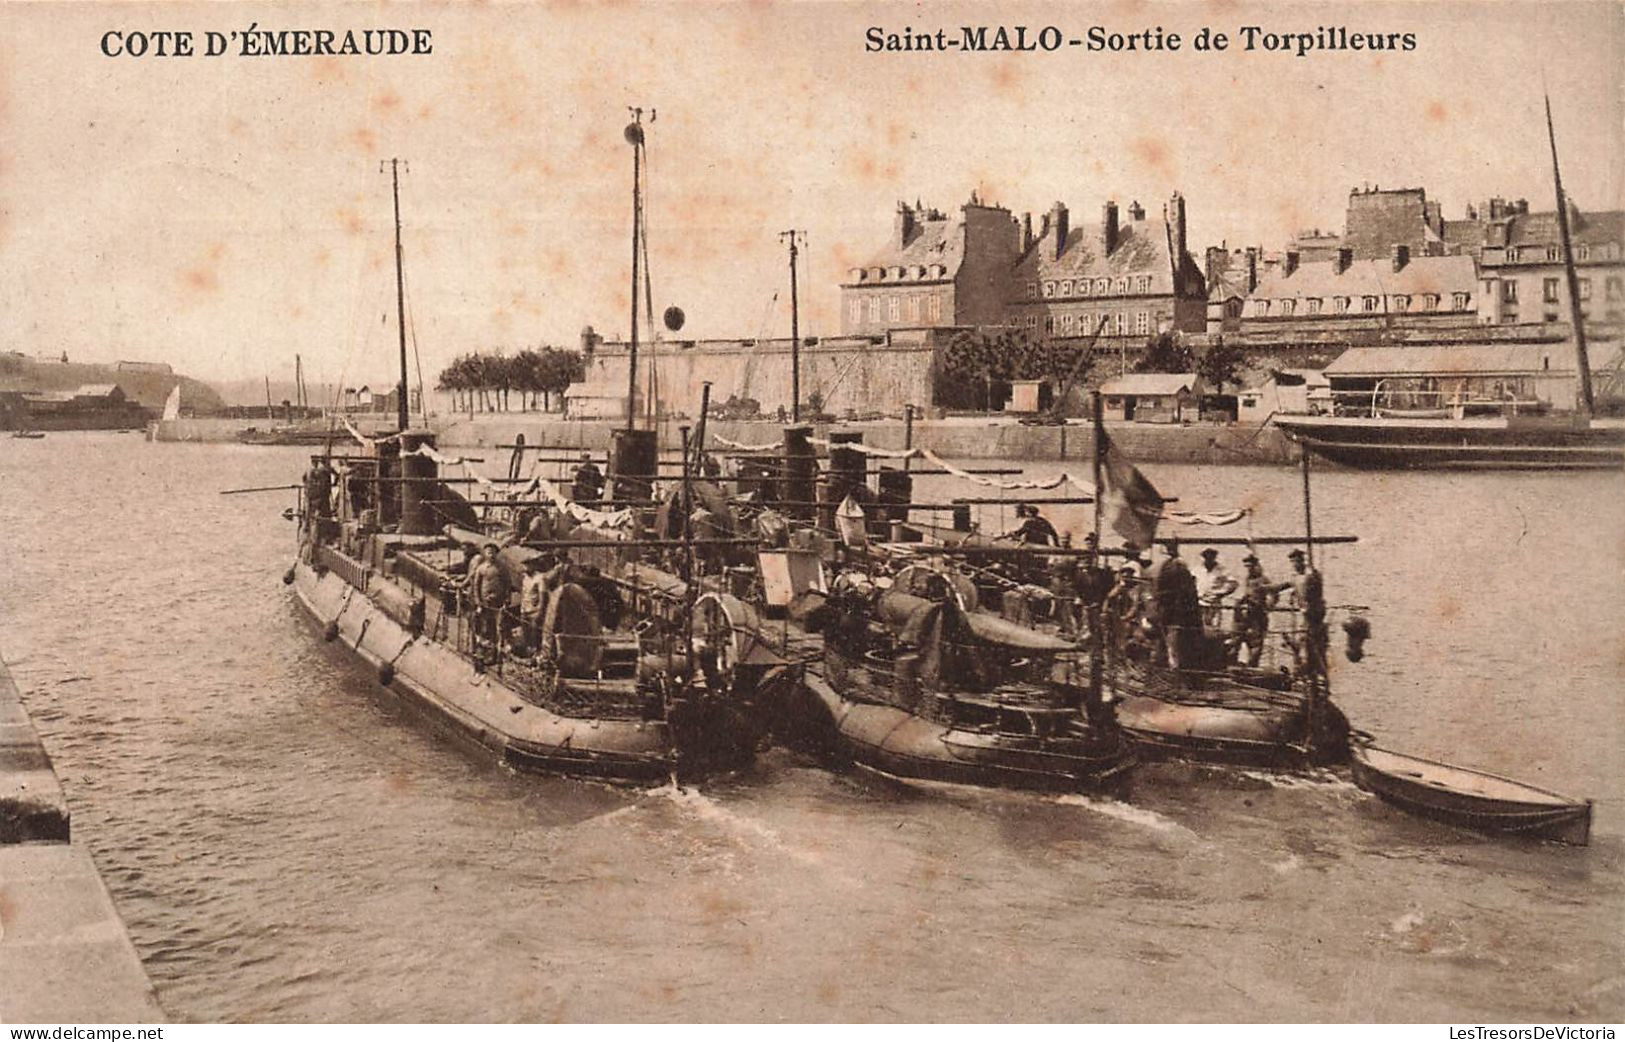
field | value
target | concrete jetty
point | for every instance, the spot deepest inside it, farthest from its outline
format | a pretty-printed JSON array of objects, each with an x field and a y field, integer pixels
[{"x": 65, "y": 956}]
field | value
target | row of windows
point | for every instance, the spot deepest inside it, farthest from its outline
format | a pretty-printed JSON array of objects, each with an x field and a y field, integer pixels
[
  {"x": 1117, "y": 323},
  {"x": 1091, "y": 287},
  {"x": 1614, "y": 287},
  {"x": 1344, "y": 305},
  {"x": 1554, "y": 252},
  {"x": 915, "y": 308}
]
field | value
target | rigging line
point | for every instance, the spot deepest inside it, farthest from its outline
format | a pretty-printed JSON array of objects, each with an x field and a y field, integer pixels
[{"x": 417, "y": 356}]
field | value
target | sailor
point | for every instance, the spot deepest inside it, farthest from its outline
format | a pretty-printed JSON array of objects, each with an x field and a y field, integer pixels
[
  {"x": 1253, "y": 610},
  {"x": 1120, "y": 612},
  {"x": 487, "y": 588},
  {"x": 1213, "y": 585},
  {"x": 1035, "y": 529},
  {"x": 587, "y": 485},
  {"x": 319, "y": 488},
  {"x": 1176, "y": 612},
  {"x": 1307, "y": 594},
  {"x": 533, "y": 594}
]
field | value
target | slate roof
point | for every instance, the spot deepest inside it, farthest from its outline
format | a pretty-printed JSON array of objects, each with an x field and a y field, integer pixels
[
  {"x": 1320, "y": 280},
  {"x": 1541, "y": 228},
  {"x": 1452, "y": 360},
  {"x": 1161, "y": 384},
  {"x": 1142, "y": 249},
  {"x": 935, "y": 241}
]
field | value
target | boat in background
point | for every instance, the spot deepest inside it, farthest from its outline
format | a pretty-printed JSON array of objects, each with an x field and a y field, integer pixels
[
  {"x": 1470, "y": 798},
  {"x": 1513, "y": 438},
  {"x": 28, "y": 434}
]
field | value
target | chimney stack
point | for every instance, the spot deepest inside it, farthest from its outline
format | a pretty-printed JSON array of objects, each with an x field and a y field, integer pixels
[
  {"x": 1058, "y": 219},
  {"x": 1345, "y": 257},
  {"x": 1252, "y": 269},
  {"x": 903, "y": 228},
  {"x": 1291, "y": 264},
  {"x": 1026, "y": 232},
  {"x": 1176, "y": 228},
  {"x": 1136, "y": 212},
  {"x": 1108, "y": 226},
  {"x": 1402, "y": 256}
]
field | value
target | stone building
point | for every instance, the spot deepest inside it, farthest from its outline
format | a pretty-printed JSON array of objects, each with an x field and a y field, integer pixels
[
  {"x": 935, "y": 270},
  {"x": 1135, "y": 274},
  {"x": 1347, "y": 295},
  {"x": 1521, "y": 274}
]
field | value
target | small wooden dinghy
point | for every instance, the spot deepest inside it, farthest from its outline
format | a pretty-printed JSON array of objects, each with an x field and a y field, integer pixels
[{"x": 1471, "y": 798}]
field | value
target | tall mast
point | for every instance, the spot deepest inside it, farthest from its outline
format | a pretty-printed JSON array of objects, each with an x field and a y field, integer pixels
[
  {"x": 400, "y": 291},
  {"x": 795, "y": 327},
  {"x": 1582, "y": 362},
  {"x": 634, "y": 137}
]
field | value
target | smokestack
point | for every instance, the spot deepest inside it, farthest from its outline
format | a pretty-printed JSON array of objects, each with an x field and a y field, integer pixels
[
  {"x": 1402, "y": 256},
  {"x": 1108, "y": 226},
  {"x": 1059, "y": 220},
  {"x": 1291, "y": 264},
  {"x": 1345, "y": 257}
]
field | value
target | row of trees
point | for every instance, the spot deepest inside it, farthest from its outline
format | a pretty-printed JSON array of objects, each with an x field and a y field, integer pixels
[
  {"x": 486, "y": 381},
  {"x": 978, "y": 366}
]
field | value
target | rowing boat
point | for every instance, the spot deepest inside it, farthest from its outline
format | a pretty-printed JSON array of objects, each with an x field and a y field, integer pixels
[{"x": 1474, "y": 799}]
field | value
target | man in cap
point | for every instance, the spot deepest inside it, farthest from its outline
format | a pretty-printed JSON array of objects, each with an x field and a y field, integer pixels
[
  {"x": 1253, "y": 610},
  {"x": 1213, "y": 585},
  {"x": 1308, "y": 598},
  {"x": 1035, "y": 529},
  {"x": 1177, "y": 615},
  {"x": 587, "y": 486},
  {"x": 533, "y": 594},
  {"x": 487, "y": 588},
  {"x": 1120, "y": 612}
]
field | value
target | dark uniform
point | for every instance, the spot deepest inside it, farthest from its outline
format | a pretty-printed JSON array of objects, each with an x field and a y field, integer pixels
[{"x": 487, "y": 587}]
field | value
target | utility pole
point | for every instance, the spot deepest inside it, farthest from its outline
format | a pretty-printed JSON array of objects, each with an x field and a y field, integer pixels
[
  {"x": 402, "y": 415},
  {"x": 634, "y": 137},
  {"x": 793, "y": 237}
]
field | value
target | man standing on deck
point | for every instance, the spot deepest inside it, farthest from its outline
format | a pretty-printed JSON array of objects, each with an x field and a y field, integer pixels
[
  {"x": 587, "y": 486},
  {"x": 1035, "y": 529},
  {"x": 487, "y": 589},
  {"x": 1308, "y": 595},
  {"x": 1178, "y": 617},
  {"x": 1213, "y": 585},
  {"x": 1253, "y": 611},
  {"x": 1120, "y": 612}
]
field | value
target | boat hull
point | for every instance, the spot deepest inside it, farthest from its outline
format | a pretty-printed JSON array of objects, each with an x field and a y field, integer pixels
[
  {"x": 902, "y": 745},
  {"x": 477, "y": 706},
  {"x": 1456, "y": 796},
  {"x": 1494, "y": 443}
]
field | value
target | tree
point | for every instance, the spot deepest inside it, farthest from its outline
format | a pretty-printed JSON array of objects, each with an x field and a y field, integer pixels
[
  {"x": 1165, "y": 353},
  {"x": 1220, "y": 365}
]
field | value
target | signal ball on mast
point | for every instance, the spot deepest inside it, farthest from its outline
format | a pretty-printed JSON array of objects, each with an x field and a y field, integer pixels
[{"x": 675, "y": 318}]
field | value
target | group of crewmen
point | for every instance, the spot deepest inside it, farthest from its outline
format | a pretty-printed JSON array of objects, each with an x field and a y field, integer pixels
[
  {"x": 1165, "y": 608},
  {"x": 486, "y": 589}
]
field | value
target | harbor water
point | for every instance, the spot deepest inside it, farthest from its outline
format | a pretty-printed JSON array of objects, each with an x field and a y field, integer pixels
[{"x": 287, "y": 843}]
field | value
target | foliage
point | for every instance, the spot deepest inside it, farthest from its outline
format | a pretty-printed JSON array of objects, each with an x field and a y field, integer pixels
[
  {"x": 1221, "y": 364},
  {"x": 486, "y": 380},
  {"x": 976, "y": 363},
  {"x": 1166, "y": 353}
]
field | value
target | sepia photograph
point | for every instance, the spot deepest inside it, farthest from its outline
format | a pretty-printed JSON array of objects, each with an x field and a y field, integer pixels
[{"x": 813, "y": 511}]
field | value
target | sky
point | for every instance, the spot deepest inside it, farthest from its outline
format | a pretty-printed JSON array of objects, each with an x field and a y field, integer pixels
[{"x": 226, "y": 213}]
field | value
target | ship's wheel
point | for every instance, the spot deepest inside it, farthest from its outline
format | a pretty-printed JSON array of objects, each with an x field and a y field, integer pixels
[{"x": 726, "y": 632}]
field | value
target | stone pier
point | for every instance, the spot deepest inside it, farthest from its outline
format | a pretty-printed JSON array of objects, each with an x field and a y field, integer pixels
[{"x": 65, "y": 957}]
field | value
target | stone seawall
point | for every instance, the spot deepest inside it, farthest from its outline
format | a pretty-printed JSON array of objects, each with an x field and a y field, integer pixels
[{"x": 65, "y": 956}]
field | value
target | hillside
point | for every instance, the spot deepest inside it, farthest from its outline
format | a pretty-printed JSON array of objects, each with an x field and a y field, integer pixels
[{"x": 150, "y": 389}]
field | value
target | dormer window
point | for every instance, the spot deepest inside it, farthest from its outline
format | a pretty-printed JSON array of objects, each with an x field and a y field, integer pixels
[
  {"x": 1369, "y": 303},
  {"x": 1340, "y": 305},
  {"x": 1083, "y": 287},
  {"x": 1430, "y": 302},
  {"x": 1122, "y": 284},
  {"x": 1512, "y": 254},
  {"x": 1263, "y": 307},
  {"x": 1032, "y": 289},
  {"x": 1314, "y": 305},
  {"x": 1459, "y": 301},
  {"x": 1102, "y": 286},
  {"x": 1401, "y": 302},
  {"x": 1145, "y": 284},
  {"x": 1066, "y": 287},
  {"x": 1288, "y": 307},
  {"x": 1554, "y": 253},
  {"x": 1049, "y": 288},
  {"x": 1582, "y": 252}
]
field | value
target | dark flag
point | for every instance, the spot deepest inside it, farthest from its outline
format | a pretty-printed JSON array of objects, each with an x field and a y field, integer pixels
[{"x": 1131, "y": 504}]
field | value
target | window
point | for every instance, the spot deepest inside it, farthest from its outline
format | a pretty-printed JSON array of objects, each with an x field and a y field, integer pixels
[
  {"x": 1102, "y": 286},
  {"x": 1049, "y": 289},
  {"x": 893, "y": 309},
  {"x": 1509, "y": 291},
  {"x": 1122, "y": 284},
  {"x": 1430, "y": 302},
  {"x": 1512, "y": 254},
  {"x": 1458, "y": 301},
  {"x": 1049, "y": 325},
  {"x": 1341, "y": 305},
  {"x": 1288, "y": 307},
  {"x": 1066, "y": 287},
  {"x": 1314, "y": 305},
  {"x": 1401, "y": 302},
  {"x": 1548, "y": 291},
  {"x": 1032, "y": 322},
  {"x": 1615, "y": 288},
  {"x": 935, "y": 308},
  {"x": 1585, "y": 289},
  {"x": 1554, "y": 253},
  {"x": 1066, "y": 325},
  {"x": 854, "y": 311},
  {"x": 1369, "y": 303},
  {"x": 1145, "y": 284},
  {"x": 1261, "y": 307},
  {"x": 1122, "y": 322},
  {"x": 874, "y": 309},
  {"x": 1142, "y": 322},
  {"x": 1083, "y": 287},
  {"x": 1032, "y": 290},
  {"x": 1582, "y": 252}
]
